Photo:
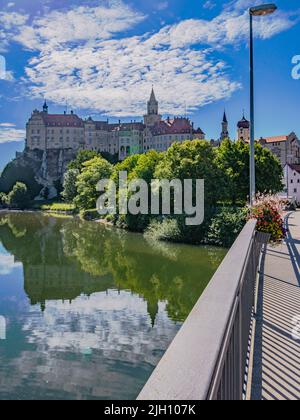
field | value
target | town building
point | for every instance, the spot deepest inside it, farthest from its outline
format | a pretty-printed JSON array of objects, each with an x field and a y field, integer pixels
[
  {"x": 46, "y": 131},
  {"x": 292, "y": 181},
  {"x": 286, "y": 148}
]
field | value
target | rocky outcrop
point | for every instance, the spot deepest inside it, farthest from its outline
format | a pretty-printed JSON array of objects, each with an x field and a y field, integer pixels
[
  {"x": 47, "y": 169},
  {"x": 53, "y": 165}
]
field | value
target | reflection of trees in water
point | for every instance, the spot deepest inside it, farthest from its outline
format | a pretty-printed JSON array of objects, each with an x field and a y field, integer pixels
[{"x": 65, "y": 258}]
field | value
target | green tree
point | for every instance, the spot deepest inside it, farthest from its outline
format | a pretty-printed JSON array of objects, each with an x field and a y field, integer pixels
[
  {"x": 17, "y": 172},
  {"x": 269, "y": 171},
  {"x": 93, "y": 171},
  {"x": 19, "y": 196},
  {"x": 137, "y": 167},
  {"x": 82, "y": 157},
  {"x": 193, "y": 160},
  {"x": 232, "y": 159},
  {"x": 69, "y": 185}
]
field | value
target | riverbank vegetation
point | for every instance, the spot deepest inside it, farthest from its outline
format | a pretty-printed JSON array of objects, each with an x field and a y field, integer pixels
[{"x": 225, "y": 171}]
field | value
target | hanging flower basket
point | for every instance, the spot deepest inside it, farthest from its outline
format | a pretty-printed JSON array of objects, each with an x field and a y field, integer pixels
[{"x": 268, "y": 211}]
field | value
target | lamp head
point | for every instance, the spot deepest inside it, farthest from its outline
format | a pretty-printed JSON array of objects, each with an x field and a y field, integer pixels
[{"x": 263, "y": 10}]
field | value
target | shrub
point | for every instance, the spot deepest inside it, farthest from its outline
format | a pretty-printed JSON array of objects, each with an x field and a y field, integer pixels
[
  {"x": 163, "y": 230},
  {"x": 90, "y": 214},
  {"x": 226, "y": 225},
  {"x": 3, "y": 200},
  {"x": 268, "y": 211},
  {"x": 59, "y": 207},
  {"x": 19, "y": 196}
]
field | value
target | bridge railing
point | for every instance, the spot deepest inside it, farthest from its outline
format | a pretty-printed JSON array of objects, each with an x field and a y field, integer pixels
[{"x": 207, "y": 358}]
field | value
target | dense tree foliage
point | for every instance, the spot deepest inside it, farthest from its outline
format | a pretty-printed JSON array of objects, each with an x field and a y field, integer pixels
[
  {"x": 82, "y": 157},
  {"x": 225, "y": 171},
  {"x": 14, "y": 172},
  {"x": 137, "y": 167},
  {"x": 93, "y": 171},
  {"x": 193, "y": 160},
  {"x": 69, "y": 185},
  {"x": 233, "y": 160},
  {"x": 19, "y": 196}
]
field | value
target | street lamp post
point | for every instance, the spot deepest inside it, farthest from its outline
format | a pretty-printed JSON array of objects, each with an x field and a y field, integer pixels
[{"x": 263, "y": 10}]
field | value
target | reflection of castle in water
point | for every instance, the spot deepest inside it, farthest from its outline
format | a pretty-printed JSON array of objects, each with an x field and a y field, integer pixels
[
  {"x": 66, "y": 258},
  {"x": 50, "y": 282}
]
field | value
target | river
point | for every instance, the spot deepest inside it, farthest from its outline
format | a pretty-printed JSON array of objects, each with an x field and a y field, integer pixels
[{"x": 87, "y": 311}]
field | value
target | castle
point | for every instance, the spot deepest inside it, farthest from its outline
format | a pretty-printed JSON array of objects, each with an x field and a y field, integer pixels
[
  {"x": 52, "y": 140},
  {"x": 48, "y": 132}
]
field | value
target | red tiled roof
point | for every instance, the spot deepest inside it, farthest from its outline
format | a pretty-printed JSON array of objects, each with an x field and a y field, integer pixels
[
  {"x": 174, "y": 126},
  {"x": 295, "y": 167},
  {"x": 276, "y": 139},
  {"x": 63, "y": 120}
]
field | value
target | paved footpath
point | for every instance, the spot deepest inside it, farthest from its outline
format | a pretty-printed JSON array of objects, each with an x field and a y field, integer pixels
[{"x": 276, "y": 363}]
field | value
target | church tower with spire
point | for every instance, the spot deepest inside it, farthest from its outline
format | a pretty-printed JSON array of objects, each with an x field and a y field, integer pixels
[
  {"x": 224, "y": 133},
  {"x": 152, "y": 116}
]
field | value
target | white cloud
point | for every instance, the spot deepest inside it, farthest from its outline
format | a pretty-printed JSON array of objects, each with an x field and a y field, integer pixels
[
  {"x": 116, "y": 76},
  {"x": 8, "y": 264},
  {"x": 10, "y": 25},
  {"x": 209, "y": 4},
  {"x": 6, "y": 125},
  {"x": 9, "y": 133},
  {"x": 162, "y": 5},
  {"x": 231, "y": 27},
  {"x": 9, "y": 76},
  {"x": 79, "y": 25},
  {"x": 79, "y": 59}
]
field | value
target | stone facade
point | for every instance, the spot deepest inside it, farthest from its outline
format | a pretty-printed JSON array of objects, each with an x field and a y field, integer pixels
[{"x": 286, "y": 148}]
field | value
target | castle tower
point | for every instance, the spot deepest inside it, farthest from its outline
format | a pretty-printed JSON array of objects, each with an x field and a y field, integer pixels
[
  {"x": 224, "y": 133},
  {"x": 45, "y": 107},
  {"x": 152, "y": 104},
  {"x": 243, "y": 130},
  {"x": 152, "y": 116}
]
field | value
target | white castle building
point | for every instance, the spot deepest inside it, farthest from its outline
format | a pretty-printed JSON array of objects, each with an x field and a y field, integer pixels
[{"x": 46, "y": 131}]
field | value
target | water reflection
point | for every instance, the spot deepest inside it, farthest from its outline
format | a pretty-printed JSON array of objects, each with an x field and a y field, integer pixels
[{"x": 104, "y": 305}]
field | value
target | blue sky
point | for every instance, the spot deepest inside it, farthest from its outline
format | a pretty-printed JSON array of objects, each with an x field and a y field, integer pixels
[{"x": 102, "y": 57}]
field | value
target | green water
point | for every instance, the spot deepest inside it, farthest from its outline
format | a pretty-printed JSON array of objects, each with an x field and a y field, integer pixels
[{"x": 87, "y": 311}]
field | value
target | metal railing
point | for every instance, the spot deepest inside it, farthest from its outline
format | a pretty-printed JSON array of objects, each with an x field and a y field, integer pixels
[{"x": 207, "y": 359}]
